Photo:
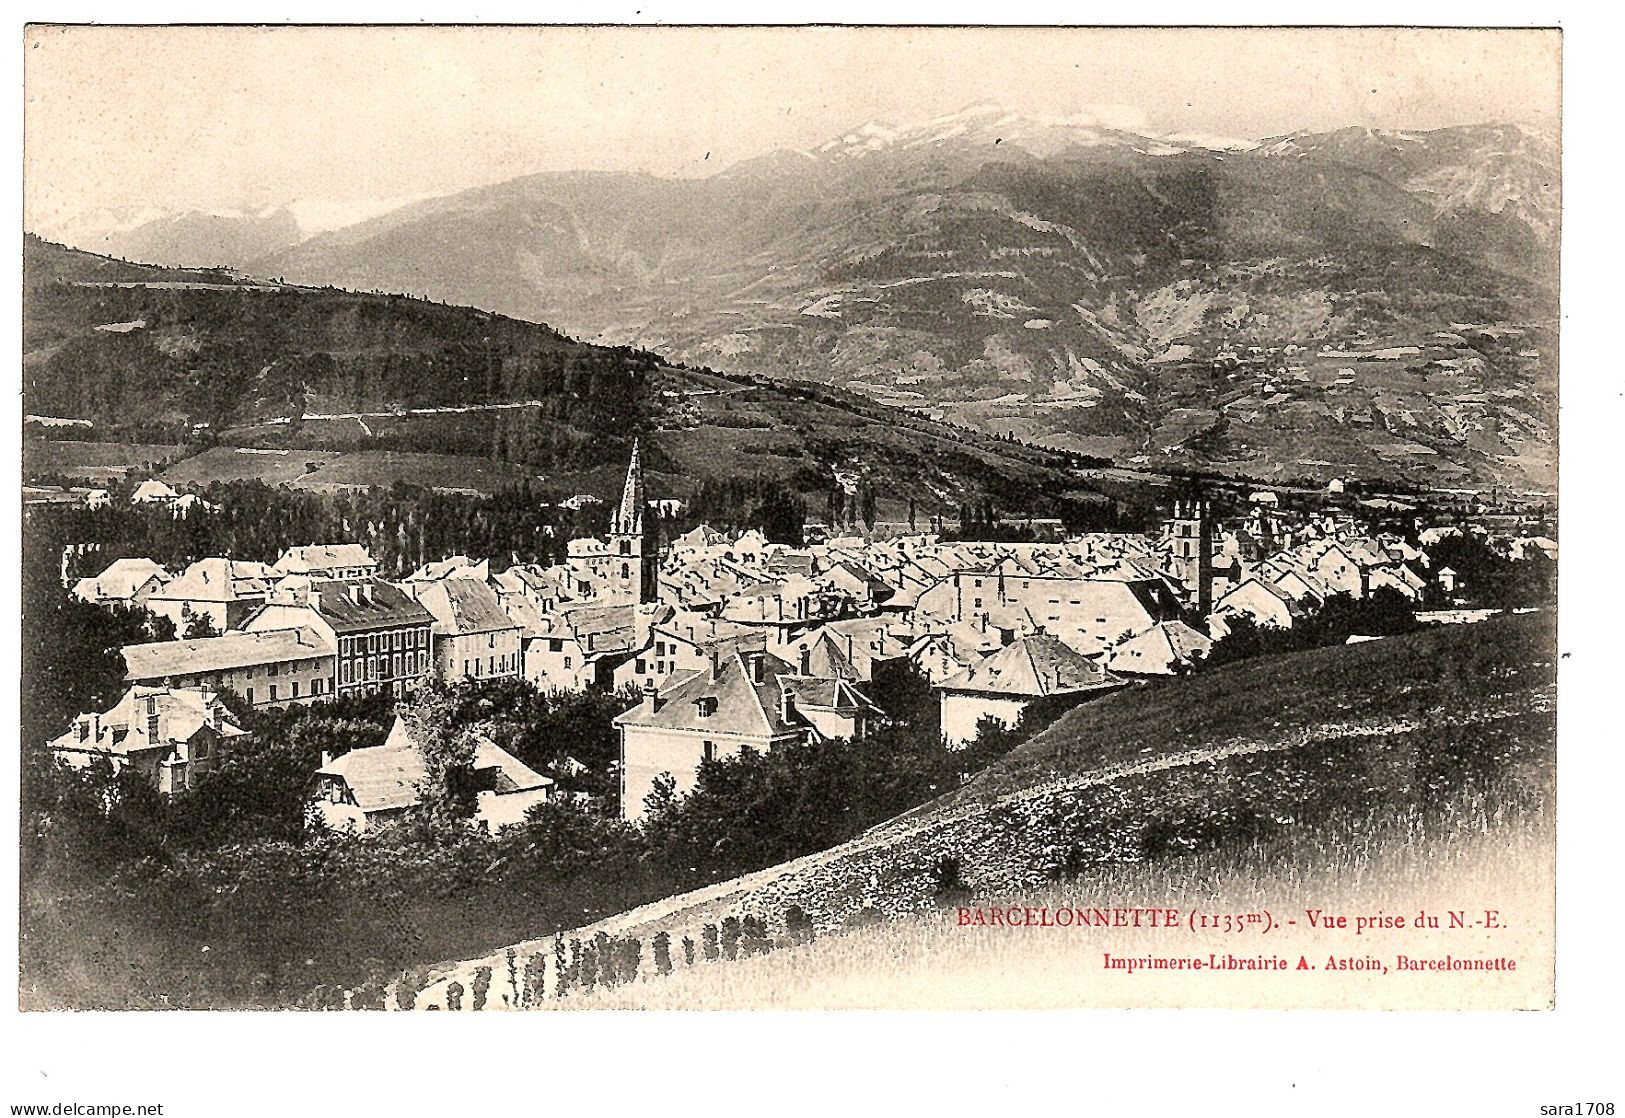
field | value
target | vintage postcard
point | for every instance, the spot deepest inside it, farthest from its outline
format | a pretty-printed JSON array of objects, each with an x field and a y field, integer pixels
[{"x": 579, "y": 518}]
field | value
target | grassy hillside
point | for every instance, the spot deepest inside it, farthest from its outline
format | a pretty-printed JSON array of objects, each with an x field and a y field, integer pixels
[
  {"x": 929, "y": 961},
  {"x": 346, "y": 388},
  {"x": 1308, "y": 768}
]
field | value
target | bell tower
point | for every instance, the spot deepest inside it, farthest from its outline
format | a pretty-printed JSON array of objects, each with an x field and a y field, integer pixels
[
  {"x": 632, "y": 560},
  {"x": 1192, "y": 561}
]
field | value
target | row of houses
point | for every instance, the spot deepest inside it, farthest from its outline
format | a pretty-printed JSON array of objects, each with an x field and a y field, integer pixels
[{"x": 734, "y": 642}]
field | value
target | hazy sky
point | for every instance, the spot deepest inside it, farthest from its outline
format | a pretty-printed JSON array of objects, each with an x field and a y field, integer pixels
[{"x": 221, "y": 118}]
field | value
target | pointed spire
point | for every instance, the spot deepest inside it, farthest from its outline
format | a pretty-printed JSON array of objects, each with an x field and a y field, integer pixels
[{"x": 629, "y": 515}]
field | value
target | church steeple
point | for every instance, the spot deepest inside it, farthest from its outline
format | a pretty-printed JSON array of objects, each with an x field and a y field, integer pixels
[
  {"x": 629, "y": 513},
  {"x": 632, "y": 554}
]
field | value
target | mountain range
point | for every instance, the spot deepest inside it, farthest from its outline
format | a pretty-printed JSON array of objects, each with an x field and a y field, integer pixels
[{"x": 1366, "y": 302}]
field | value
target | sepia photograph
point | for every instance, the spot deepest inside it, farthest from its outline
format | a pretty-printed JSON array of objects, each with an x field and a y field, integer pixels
[
  {"x": 835, "y": 518},
  {"x": 874, "y": 567},
  {"x": 835, "y": 567}
]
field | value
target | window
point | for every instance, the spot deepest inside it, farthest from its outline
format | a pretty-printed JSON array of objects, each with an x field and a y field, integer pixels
[
  {"x": 423, "y": 661},
  {"x": 316, "y": 687},
  {"x": 398, "y": 663},
  {"x": 626, "y": 571},
  {"x": 569, "y": 661},
  {"x": 248, "y": 694},
  {"x": 978, "y": 604},
  {"x": 273, "y": 693},
  {"x": 639, "y": 666},
  {"x": 708, "y": 750},
  {"x": 345, "y": 673},
  {"x": 294, "y": 694},
  {"x": 556, "y": 645}
]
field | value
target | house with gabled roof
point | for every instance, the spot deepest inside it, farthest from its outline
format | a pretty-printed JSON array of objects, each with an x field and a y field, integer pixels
[
  {"x": 225, "y": 591},
  {"x": 153, "y": 492},
  {"x": 1260, "y": 599},
  {"x": 583, "y": 645},
  {"x": 1036, "y": 669},
  {"x": 453, "y": 566},
  {"x": 170, "y": 736},
  {"x": 124, "y": 584},
  {"x": 472, "y": 636},
  {"x": 333, "y": 561},
  {"x": 1166, "y": 648},
  {"x": 679, "y": 641},
  {"x": 744, "y": 700},
  {"x": 374, "y": 784},
  {"x": 867, "y": 590}
]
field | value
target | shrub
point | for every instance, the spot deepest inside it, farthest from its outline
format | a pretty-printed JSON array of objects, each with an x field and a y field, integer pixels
[
  {"x": 662, "y": 949},
  {"x": 730, "y": 937},
  {"x": 604, "y": 950},
  {"x": 688, "y": 951},
  {"x": 482, "y": 986},
  {"x": 454, "y": 996},
  {"x": 406, "y": 991},
  {"x": 708, "y": 938},
  {"x": 864, "y": 917},
  {"x": 798, "y": 925},
  {"x": 535, "y": 980},
  {"x": 948, "y": 887}
]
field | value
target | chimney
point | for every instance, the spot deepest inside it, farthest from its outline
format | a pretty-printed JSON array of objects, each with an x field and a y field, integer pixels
[
  {"x": 806, "y": 659},
  {"x": 327, "y": 758},
  {"x": 651, "y": 698},
  {"x": 716, "y": 662}
]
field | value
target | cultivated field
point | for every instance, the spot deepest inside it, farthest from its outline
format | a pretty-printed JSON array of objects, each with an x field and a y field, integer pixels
[{"x": 93, "y": 461}]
